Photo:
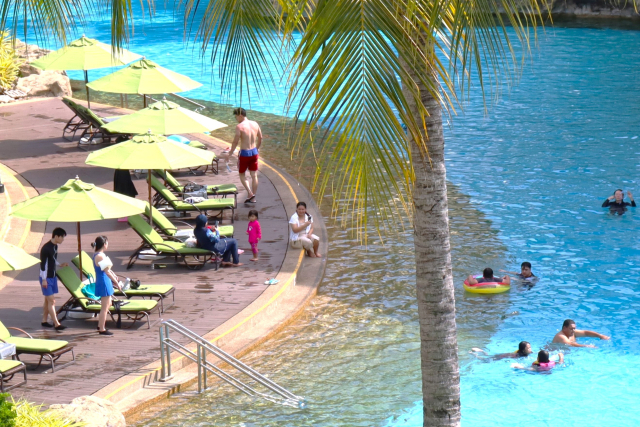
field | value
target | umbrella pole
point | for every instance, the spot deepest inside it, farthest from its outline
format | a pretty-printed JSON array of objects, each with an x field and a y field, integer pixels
[
  {"x": 79, "y": 249},
  {"x": 150, "y": 208},
  {"x": 86, "y": 81}
]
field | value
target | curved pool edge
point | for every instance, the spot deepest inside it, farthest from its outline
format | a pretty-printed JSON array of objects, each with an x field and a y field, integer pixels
[{"x": 264, "y": 317}]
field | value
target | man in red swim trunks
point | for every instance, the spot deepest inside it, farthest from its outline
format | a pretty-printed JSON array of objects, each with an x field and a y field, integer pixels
[{"x": 249, "y": 135}]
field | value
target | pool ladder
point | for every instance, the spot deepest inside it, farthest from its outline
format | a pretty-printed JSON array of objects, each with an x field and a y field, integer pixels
[{"x": 203, "y": 348}]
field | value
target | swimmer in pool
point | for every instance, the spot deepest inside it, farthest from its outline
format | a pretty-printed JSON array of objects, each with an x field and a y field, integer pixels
[
  {"x": 525, "y": 272},
  {"x": 543, "y": 363},
  {"x": 487, "y": 277},
  {"x": 524, "y": 350},
  {"x": 616, "y": 203},
  {"x": 569, "y": 333}
]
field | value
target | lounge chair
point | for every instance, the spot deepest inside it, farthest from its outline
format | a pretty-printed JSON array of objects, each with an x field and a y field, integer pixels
[
  {"x": 145, "y": 291},
  {"x": 8, "y": 368},
  {"x": 223, "y": 190},
  {"x": 134, "y": 309},
  {"x": 75, "y": 123},
  {"x": 194, "y": 258},
  {"x": 46, "y": 349},
  {"x": 215, "y": 161},
  {"x": 167, "y": 228},
  {"x": 164, "y": 194},
  {"x": 90, "y": 124}
]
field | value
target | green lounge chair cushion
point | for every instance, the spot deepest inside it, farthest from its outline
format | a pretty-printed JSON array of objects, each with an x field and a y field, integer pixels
[
  {"x": 6, "y": 365},
  {"x": 211, "y": 189},
  {"x": 35, "y": 345},
  {"x": 183, "y": 206},
  {"x": 147, "y": 290},
  {"x": 198, "y": 144},
  {"x": 87, "y": 264},
  {"x": 4, "y": 332},
  {"x": 181, "y": 248},
  {"x": 132, "y": 306},
  {"x": 153, "y": 239}
]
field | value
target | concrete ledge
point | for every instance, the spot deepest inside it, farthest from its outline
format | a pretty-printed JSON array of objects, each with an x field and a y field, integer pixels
[{"x": 269, "y": 313}]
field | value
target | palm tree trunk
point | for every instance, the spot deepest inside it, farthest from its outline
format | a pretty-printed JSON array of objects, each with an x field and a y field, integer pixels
[{"x": 434, "y": 281}]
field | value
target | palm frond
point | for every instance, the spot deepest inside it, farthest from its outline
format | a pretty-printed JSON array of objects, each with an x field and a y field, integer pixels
[
  {"x": 245, "y": 35},
  {"x": 122, "y": 22}
]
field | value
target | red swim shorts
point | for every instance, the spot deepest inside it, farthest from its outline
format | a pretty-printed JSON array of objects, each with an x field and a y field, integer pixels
[{"x": 247, "y": 162}]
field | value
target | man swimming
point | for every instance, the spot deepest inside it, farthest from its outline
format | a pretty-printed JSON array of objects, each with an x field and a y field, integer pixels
[
  {"x": 524, "y": 350},
  {"x": 525, "y": 271},
  {"x": 569, "y": 333},
  {"x": 487, "y": 277},
  {"x": 249, "y": 135},
  {"x": 616, "y": 203}
]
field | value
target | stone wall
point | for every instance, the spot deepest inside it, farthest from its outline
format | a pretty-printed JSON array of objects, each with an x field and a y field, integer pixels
[{"x": 594, "y": 8}]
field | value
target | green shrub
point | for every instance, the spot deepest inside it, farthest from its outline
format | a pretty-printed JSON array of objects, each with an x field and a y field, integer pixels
[
  {"x": 31, "y": 415},
  {"x": 9, "y": 62},
  {"x": 7, "y": 412}
]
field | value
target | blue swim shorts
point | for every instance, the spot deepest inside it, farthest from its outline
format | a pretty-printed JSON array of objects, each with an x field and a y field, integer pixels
[{"x": 52, "y": 286}]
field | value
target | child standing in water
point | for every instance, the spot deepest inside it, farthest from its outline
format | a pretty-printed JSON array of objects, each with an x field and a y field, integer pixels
[{"x": 254, "y": 232}]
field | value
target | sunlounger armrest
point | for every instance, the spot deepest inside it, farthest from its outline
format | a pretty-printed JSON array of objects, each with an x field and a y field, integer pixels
[
  {"x": 18, "y": 329},
  {"x": 185, "y": 223}
]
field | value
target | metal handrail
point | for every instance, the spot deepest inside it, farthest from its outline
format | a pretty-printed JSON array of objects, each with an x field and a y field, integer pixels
[
  {"x": 197, "y": 110},
  {"x": 203, "y": 347}
]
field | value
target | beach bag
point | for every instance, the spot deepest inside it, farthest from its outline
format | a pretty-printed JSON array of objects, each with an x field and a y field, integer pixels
[
  {"x": 192, "y": 186},
  {"x": 198, "y": 194}
]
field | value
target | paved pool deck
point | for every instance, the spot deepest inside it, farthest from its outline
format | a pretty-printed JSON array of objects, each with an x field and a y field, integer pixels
[{"x": 231, "y": 306}]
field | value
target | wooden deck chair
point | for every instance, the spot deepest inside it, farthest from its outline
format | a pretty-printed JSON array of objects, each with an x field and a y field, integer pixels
[
  {"x": 50, "y": 350},
  {"x": 161, "y": 292},
  {"x": 8, "y": 368},
  {"x": 133, "y": 309},
  {"x": 223, "y": 190},
  {"x": 163, "y": 194},
  {"x": 169, "y": 229},
  {"x": 194, "y": 258}
]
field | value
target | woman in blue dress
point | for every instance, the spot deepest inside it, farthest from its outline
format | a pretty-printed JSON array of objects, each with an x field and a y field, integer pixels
[{"x": 105, "y": 279}]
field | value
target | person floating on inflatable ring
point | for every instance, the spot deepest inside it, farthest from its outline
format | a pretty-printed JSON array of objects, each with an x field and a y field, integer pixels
[
  {"x": 524, "y": 350},
  {"x": 543, "y": 363},
  {"x": 487, "y": 277}
]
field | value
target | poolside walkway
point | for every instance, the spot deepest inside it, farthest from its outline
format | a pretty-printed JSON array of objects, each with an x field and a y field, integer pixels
[{"x": 32, "y": 146}]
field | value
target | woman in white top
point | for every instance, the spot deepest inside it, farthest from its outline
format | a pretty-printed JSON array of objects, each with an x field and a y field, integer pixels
[{"x": 302, "y": 236}]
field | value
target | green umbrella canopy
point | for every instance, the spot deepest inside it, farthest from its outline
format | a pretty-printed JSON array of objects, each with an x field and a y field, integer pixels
[
  {"x": 15, "y": 258},
  {"x": 150, "y": 151},
  {"x": 84, "y": 54},
  {"x": 144, "y": 77},
  {"x": 77, "y": 201},
  {"x": 164, "y": 118}
]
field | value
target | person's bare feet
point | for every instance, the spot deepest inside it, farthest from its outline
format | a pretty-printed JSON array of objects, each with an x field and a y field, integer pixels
[
  {"x": 317, "y": 255},
  {"x": 254, "y": 259},
  {"x": 230, "y": 264}
]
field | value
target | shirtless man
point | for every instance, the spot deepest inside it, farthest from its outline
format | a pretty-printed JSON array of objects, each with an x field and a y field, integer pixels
[
  {"x": 249, "y": 135},
  {"x": 569, "y": 333}
]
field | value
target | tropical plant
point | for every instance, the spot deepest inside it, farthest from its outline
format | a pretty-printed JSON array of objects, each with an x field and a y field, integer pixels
[
  {"x": 32, "y": 415},
  {"x": 7, "y": 412},
  {"x": 10, "y": 62}
]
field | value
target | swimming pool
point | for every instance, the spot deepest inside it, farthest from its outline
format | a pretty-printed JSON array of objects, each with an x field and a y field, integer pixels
[{"x": 537, "y": 168}]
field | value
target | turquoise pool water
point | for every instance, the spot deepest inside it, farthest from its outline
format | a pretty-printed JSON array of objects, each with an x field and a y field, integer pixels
[{"x": 538, "y": 167}]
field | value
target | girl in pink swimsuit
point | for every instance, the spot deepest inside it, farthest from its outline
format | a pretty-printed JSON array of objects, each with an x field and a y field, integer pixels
[{"x": 254, "y": 232}]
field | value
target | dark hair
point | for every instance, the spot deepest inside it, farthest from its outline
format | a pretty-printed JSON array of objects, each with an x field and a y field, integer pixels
[
  {"x": 620, "y": 190},
  {"x": 521, "y": 348},
  {"x": 487, "y": 273},
  {"x": 567, "y": 323},
  {"x": 301, "y": 204},
  {"x": 58, "y": 232},
  {"x": 525, "y": 264},
  {"x": 254, "y": 213},
  {"x": 99, "y": 243},
  {"x": 543, "y": 356},
  {"x": 239, "y": 112}
]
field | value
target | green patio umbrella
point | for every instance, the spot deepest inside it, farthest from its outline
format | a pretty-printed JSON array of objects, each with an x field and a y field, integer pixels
[
  {"x": 77, "y": 201},
  {"x": 149, "y": 151},
  {"x": 15, "y": 258},
  {"x": 144, "y": 77},
  {"x": 84, "y": 54},
  {"x": 164, "y": 118}
]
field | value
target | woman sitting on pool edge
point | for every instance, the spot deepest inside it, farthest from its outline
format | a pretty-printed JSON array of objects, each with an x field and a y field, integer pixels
[
  {"x": 524, "y": 350},
  {"x": 301, "y": 236},
  {"x": 543, "y": 363}
]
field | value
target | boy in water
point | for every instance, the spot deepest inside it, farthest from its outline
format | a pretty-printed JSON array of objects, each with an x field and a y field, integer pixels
[{"x": 525, "y": 272}]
